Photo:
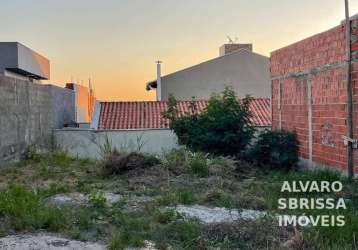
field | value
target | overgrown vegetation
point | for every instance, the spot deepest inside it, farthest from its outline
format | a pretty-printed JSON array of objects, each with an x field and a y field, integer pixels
[
  {"x": 211, "y": 174},
  {"x": 276, "y": 150},
  {"x": 222, "y": 128},
  {"x": 23, "y": 210}
]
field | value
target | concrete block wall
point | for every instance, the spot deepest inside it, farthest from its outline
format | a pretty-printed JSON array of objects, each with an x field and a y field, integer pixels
[
  {"x": 63, "y": 105},
  {"x": 309, "y": 95},
  {"x": 28, "y": 113}
]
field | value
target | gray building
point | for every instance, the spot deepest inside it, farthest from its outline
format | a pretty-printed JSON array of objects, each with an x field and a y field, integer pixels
[
  {"x": 19, "y": 61},
  {"x": 29, "y": 110},
  {"x": 237, "y": 67}
]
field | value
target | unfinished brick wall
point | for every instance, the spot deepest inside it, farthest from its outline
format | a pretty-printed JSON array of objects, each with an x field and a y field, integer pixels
[{"x": 309, "y": 94}]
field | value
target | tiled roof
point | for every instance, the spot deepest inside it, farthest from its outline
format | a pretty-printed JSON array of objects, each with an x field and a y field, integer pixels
[{"x": 148, "y": 114}]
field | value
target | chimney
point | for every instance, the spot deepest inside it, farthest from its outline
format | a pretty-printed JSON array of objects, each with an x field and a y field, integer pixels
[
  {"x": 232, "y": 47},
  {"x": 159, "y": 81}
]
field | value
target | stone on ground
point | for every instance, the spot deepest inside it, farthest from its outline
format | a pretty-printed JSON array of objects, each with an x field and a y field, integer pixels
[
  {"x": 217, "y": 214},
  {"x": 72, "y": 199},
  {"x": 79, "y": 199},
  {"x": 45, "y": 242}
]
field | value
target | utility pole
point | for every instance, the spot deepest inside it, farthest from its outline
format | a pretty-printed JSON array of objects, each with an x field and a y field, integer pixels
[{"x": 350, "y": 140}]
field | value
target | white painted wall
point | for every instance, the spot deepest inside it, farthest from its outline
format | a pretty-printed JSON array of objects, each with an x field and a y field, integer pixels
[{"x": 87, "y": 143}]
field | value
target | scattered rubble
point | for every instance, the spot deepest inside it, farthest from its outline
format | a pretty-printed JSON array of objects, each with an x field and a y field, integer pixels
[
  {"x": 50, "y": 242},
  {"x": 45, "y": 242},
  {"x": 218, "y": 215},
  {"x": 79, "y": 199},
  {"x": 70, "y": 199}
]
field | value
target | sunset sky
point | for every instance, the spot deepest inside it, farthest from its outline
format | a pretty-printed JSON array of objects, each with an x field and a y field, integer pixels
[{"x": 115, "y": 42}]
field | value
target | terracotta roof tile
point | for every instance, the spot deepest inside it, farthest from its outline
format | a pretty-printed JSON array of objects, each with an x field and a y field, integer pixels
[{"x": 148, "y": 114}]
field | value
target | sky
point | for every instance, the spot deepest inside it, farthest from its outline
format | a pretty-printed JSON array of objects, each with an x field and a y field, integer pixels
[{"x": 116, "y": 42}]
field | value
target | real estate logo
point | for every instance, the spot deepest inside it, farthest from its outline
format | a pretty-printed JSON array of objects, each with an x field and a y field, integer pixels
[{"x": 311, "y": 205}]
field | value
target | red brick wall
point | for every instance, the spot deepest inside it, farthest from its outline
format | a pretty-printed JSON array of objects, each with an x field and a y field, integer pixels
[{"x": 318, "y": 62}]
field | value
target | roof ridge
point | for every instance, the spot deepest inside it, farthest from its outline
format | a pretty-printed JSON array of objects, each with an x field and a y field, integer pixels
[{"x": 196, "y": 100}]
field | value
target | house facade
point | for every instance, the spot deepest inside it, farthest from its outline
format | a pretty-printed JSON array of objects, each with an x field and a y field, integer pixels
[
  {"x": 309, "y": 94},
  {"x": 237, "y": 67}
]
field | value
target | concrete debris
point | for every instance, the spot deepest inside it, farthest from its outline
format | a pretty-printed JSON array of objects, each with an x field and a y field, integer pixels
[
  {"x": 79, "y": 199},
  {"x": 70, "y": 199},
  {"x": 50, "y": 242},
  {"x": 45, "y": 242},
  {"x": 218, "y": 215}
]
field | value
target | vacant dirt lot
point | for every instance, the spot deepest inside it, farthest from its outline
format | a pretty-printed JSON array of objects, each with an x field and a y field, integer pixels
[{"x": 178, "y": 201}]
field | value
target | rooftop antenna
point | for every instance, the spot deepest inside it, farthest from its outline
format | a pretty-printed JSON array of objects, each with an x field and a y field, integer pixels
[
  {"x": 89, "y": 83},
  {"x": 231, "y": 41}
]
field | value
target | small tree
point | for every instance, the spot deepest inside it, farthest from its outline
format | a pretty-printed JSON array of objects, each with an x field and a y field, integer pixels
[{"x": 222, "y": 128}]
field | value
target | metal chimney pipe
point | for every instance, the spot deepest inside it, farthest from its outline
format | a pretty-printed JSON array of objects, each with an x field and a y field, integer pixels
[{"x": 159, "y": 81}]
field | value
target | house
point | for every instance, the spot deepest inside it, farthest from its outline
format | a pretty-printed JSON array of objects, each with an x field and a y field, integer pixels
[
  {"x": 309, "y": 94},
  {"x": 137, "y": 126},
  {"x": 237, "y": 67},
  {"x": 21, "y": 62},
  {"x": 29, "y": 109}
]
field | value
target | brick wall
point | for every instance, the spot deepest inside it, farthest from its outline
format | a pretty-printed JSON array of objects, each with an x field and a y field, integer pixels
[{"x": 309, "y": 94}]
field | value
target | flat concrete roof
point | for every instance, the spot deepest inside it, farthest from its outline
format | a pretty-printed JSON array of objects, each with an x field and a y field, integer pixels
[{"x": 18, "y": 58}]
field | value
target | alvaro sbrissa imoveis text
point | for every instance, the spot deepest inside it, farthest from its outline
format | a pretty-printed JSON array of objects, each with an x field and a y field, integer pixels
[{"x": 312, "y": 199}]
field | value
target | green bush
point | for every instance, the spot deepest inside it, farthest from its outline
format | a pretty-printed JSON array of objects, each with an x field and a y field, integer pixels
[
  {"x": 97, "y": 199},
  {"x": 276, "y": 150},
  {"x": 222, "y": 128}
]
